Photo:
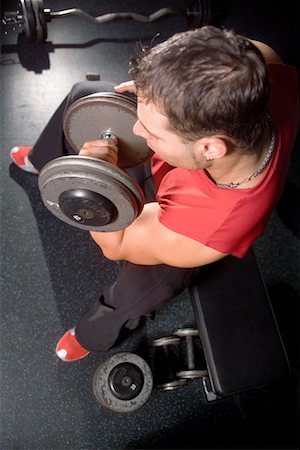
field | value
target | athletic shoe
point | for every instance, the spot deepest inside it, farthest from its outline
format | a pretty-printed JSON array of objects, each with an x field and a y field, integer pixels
[
  {"x": 19, "y": 155},
  {"x": 68, "y": 348}
]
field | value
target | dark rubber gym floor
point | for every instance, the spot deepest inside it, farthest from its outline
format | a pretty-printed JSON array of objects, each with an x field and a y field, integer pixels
[{"x": 51, "y": 272}]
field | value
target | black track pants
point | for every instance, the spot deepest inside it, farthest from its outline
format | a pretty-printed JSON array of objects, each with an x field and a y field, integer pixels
[{"x": 138, "y": 291}]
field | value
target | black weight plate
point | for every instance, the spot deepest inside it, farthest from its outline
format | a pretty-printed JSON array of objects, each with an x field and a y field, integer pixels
[
  {"x": 81, "y": 172},
  {"x": 87, "y": 118},
  {"x": 29, "y": 19},
  {"x": 125, "y": 392},
  {"x": 198, "y": 13},
  {"x": 126, "y": 381},
  {"x": 87, "y": 207},
  {"x": 40, "y": 20}
]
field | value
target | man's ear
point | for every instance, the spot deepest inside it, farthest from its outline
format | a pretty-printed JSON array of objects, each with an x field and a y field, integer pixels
[{"x": 213, "y": 147}]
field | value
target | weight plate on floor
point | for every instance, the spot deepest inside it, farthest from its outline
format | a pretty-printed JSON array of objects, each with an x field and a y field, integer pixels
[
  {"x": 87, "y": 118},
  {"x": 175, "y": 384},
  {"x": 123, "y": 383},
  {"x": 183, "y": 332},
  {"x": 189, "y": 374},
  {"x": 168, "y": 340},
  {"x": 89, "y": 177}
]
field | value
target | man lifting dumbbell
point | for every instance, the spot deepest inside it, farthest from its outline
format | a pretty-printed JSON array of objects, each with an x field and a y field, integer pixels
[{"x": 221, "y": 151}]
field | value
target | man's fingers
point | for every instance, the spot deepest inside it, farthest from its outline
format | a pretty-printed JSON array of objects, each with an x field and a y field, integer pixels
[
  {"x": 110, "y": 143},
  {"x": 126, "y": 86},
  {"x": 105, "y": 150}
]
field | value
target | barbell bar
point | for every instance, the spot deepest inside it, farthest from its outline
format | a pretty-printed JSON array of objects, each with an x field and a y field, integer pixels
[{"x": 31, "y": 17}]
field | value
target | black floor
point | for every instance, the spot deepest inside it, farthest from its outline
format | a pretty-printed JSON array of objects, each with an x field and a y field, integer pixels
[{"x": 50, "y": 272}]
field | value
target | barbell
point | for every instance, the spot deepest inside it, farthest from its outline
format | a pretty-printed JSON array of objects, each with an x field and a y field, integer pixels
[
  {"x": 89, "y": 193},
  {"x": 31, "y": 18}
]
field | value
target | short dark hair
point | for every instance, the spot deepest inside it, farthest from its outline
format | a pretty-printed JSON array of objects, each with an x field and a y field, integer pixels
[{"x": 206, "y": 81}]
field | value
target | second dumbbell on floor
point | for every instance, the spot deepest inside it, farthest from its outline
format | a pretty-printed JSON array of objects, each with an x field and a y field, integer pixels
[{"x": 192, "y": 360}]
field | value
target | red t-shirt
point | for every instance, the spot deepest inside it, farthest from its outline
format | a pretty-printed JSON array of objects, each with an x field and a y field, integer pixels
[{"x": 229, "y": 220}]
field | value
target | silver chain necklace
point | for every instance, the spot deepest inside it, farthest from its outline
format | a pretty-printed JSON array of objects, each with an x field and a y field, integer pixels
[{"x": 262, "y": 166}]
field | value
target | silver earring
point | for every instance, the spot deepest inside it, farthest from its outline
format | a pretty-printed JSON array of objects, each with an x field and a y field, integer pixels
[{"x": 208, "y": 159}]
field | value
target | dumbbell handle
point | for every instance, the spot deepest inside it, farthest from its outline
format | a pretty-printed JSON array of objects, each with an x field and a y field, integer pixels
[
  {"x": 109, "y": 135},
  {"x": 190, "y": 352}
]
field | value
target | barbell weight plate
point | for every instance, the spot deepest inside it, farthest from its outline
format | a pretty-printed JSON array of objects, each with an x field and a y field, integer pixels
[
  {"x": 123, "y": 383},
  {"x": 198, "y": 13},
  {"x": 88, "y": 117},
  {"x": 90, "y": 175},
  {"x": 29, "y": 19},
  {"x": 40, "y": 20}
]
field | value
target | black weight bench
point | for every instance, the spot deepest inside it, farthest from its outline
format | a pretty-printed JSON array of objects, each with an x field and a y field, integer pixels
[{"x": 237, "y": 327}]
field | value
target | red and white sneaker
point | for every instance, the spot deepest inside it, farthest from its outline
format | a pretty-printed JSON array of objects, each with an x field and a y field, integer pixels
[
  {"x": 68, "y": 348},
  {"x": 19, "y": 155}
]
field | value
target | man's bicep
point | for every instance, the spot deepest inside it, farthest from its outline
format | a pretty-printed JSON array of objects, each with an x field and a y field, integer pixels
[
  {"x": 182, "y": 251},
  {"x": 149, "y": 242}
]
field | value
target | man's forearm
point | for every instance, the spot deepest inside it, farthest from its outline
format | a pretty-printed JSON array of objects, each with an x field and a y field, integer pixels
[{"x": 110, "y": 243}]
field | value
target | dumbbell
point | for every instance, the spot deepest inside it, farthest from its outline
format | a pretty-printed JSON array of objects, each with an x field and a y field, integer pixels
[
  {"x": 89, "y": 193},
  {"x": 123, "y": 383},
  {"x": 165, "y": 363},
  {"x": 193, "y": 359},
  {"x": 31, "y": 18}
]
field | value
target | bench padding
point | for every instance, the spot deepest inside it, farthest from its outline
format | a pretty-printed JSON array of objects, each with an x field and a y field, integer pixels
[{"x": 241, "y": 341}]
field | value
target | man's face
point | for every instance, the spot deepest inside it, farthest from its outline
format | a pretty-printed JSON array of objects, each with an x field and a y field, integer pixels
[{"x": 154, "y": 127}]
